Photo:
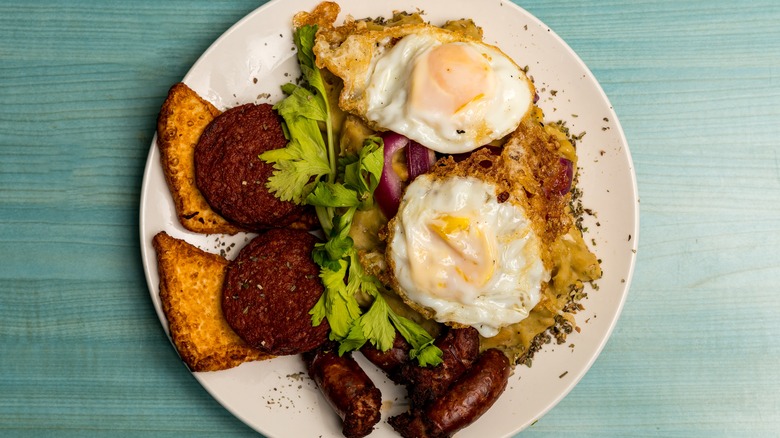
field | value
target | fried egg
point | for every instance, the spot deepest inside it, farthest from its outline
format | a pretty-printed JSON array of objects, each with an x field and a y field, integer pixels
[
  {"x": 442, "y": 89},
  {"x": 464, "y": 257}
]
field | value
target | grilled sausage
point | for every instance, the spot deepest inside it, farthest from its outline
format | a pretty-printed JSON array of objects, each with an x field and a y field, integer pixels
[
  {"x": 460, "y": 348},
  {"x": 472, "y": 395},
  {"x": 468, "y": 398},
  {"x": 391, "y": 361},
  {"x": 347, "y": 388}
]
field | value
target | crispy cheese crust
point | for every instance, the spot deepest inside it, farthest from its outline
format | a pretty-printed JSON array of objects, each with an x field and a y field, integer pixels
[
  {"x": 182, "y": 119},
  {"x": 191, "y": 294},
  {"x": 323, "y": 15}
]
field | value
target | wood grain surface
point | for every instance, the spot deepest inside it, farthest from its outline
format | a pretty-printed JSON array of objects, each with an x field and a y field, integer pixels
[{"x": 696, "y": 85}]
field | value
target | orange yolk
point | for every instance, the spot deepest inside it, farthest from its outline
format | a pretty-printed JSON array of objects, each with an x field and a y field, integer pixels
[
  {"x": 469, "y": 247},
  {"x": 450, "y": 77}
]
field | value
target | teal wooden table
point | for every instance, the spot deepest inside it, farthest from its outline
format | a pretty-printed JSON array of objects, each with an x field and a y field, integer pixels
[{"x": 696, "y": 85}]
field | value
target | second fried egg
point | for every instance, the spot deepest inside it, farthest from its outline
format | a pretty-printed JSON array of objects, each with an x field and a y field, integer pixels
[{"x": 465, "y": 257}]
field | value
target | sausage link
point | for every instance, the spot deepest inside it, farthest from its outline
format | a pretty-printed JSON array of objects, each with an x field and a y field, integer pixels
[
  {"x": 467, "y": 399},
  {"x": 460, "y": 348},
  {"x": 471, "y": 396},
  {"x": 347, "y": 388},
  {"x": 392, "y": 360}
]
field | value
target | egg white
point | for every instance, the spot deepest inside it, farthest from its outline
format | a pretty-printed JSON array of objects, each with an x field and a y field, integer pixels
[
  {"x": 464, "y": 256},
  {"x": 400, "y": 78},
  {"x": 491, "y": 114}
]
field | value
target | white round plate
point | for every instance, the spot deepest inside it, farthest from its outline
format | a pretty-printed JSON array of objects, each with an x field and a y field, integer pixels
[{"x": 249, "y": 63}]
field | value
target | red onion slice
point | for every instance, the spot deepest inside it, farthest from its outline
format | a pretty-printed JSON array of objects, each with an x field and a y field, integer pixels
[
  {"x": 388, "y": 192},
  {"x": 563, "y": 180},
  {"x": 419, "y": 159}
]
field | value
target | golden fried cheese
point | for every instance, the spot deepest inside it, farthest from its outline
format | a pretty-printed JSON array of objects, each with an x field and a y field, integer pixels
[
  {"x": 191, "y": 295},
  {"x": 183, "y": 117}
]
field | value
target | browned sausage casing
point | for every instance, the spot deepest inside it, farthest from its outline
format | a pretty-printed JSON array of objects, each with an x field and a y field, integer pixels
[
  {"x": 460, "y": 348},
  {"x": 471, "y": 395},
  {"x": 347, "y": 388},
  {"x": 392, "y": 360},
  {"x": 467, "y": 399}
]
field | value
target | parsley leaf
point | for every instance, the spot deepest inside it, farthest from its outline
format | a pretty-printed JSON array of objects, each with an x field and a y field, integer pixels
[
  {"x": 379, "y": 323},
  {"x": 304, "y": 160},
  {"x": 304, "y": 41},
  {"x": 373, "y": 326}
]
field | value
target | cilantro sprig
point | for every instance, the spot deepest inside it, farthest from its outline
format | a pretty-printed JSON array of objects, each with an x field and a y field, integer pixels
[
  {"x": 308, "y": 171},
  {"x": 308, "y": 158}
]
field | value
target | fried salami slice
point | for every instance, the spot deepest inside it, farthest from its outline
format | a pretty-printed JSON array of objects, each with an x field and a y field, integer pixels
[
  {"x": 270, "y": 288},
  {"x": 232, "y": 177}
]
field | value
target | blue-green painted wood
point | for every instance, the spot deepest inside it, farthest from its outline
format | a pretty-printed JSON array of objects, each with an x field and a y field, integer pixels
[{"x": 696, "y": 85}]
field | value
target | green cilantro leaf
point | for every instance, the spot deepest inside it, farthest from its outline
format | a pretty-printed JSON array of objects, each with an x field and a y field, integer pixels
[
  {"x": 332, "y": 195},
  {"x": 308, "y": 157},
  {"x": 362, "y": 172},
  {"x": 422, "y": 343},
  {"x": 335, "y": 304},
  {"x": 376, "y": 324}
]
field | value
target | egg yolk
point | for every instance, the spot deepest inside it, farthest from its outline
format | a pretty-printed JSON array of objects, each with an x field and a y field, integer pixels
[
  {"x": 462, "y": 249},
  {"x": 449, "y": 77}
]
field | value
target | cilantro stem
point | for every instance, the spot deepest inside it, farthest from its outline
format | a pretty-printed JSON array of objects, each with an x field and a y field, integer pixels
[
  {"x": 325, "y": 214},
  {"x": 326, "y": 217},
  {"x": 332, "y": 158}
]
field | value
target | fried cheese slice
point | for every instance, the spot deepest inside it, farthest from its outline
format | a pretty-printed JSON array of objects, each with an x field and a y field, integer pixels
[
  {"x": 191, "y": 294},
  {"x": 183, "y": 117}
]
